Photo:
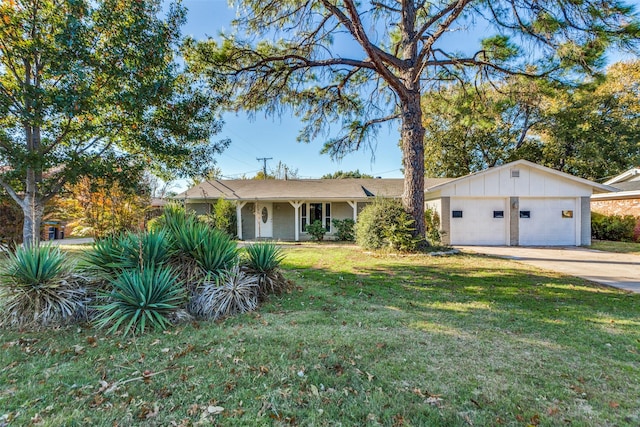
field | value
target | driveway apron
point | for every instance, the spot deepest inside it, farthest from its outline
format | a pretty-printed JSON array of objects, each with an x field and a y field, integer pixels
[{"x": 607, "y": 268}]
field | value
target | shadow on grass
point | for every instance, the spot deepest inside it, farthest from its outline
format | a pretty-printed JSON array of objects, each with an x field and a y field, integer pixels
[{"x": 473, "y": 293}]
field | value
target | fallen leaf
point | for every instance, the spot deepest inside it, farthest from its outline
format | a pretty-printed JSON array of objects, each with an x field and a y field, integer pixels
[
  {"x": 78, "y": 349},
  {"x": 214, "y": 410},
  {"x": 614, "y": 405},
  {"x": 314, "y": 390}
]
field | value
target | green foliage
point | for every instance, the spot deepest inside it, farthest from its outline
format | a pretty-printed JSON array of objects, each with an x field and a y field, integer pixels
[
  {"x": 432, "y": 226},
  {"x": 224, "y": 217},
  {"x": 346, "y": 174},
  {"x": 385, "y": 224},
  {"x": 107, "y": 82},
  {"x": 140, "y": 299},
  {"x": 216, "y": 251},
  {"x": 231, "y": 293},
  {"x": 614, "y": 227},
  {"x": 344, "y": 229},
  {"x": 11, "y": 224},
  {"x": 317, "y": 230},
  {"x": 263, "y": 260},
  {"x": 39, "y": 287},
  {"x": 110, "y": 255}
]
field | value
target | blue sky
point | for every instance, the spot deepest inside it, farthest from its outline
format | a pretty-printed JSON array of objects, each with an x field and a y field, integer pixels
[{"x": 275, "y": 137}]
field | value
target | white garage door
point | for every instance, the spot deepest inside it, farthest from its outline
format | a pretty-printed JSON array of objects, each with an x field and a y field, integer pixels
[
  {"x": 479, "y": 221},
  {"x": 550, "y": 222}
]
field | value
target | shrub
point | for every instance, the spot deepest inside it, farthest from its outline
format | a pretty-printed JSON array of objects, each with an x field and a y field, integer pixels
[
  {"x": 216, "y": 251},
  {"x": 344, "y": 229},
  {"x": 232, "y": 292},
  {"x": 317, "y": 230},
  {"x": 385, "y": 224},
  {"x": 140, "y": 299},
  {"x": 614, "y": 227},
  {"x": 432, "y": 226},
  {"x": 110, "y": 255},
  {"x": 263, "y": 260},
  {"x": 224, "y": 214},
  {"x": 40, "y": 288}
]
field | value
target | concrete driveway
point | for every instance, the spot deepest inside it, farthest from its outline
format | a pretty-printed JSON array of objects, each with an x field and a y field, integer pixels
[{"x": 612, "y": 269}]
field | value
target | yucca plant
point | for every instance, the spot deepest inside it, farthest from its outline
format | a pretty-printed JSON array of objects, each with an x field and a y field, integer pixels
[
  {"x": 216, "y": 251},
  {"x": 232, "y": 292},
  {"x": 140, "y": 299},
  {"x": 112, "y": 254},
  {"x": 263, "y": 260},
  {"x": 39, "y": 287}
]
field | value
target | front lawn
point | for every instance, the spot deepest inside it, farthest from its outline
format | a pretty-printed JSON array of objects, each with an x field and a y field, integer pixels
[
  {"x": 362, "y": 340},
  {"x": 619, "y": 247}
]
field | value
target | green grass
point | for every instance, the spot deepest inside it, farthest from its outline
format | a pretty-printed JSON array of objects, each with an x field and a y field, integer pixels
[
  {"x": 619, "y": 247},
  {"x": 362, "y": 340}
]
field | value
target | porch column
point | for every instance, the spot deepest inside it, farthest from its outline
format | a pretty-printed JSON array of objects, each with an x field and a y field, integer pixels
[
  {"x": 354, "y": 206},
  {"x": 296, "y": 219},
  {"x": 239, "y": 206}
]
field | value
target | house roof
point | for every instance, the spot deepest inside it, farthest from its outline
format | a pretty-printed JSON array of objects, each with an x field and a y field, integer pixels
[
  {"x": 632, "y": 174},
  {"x": 299, "y": 189},
  {"x": 626, "y": 185},
  {"x": 597, "y": 188}
]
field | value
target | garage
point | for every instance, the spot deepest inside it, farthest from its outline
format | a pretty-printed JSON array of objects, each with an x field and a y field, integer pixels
[
  {"x": 477, "y": 221},
  {"x": 517, "y": 204},
  {"x": 547, "y": 221}
]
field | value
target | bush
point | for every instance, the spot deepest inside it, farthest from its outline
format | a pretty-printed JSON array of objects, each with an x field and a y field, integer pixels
[
  {"x": 110, "y": 255},
  {"x": 432, "y": 226},
  {"x": 140, "y": 299},
  {"x": 232, "y": 292},
  {"x": 263, "y": 260},
  {"x": 224, "y": 214},
  {"x": 317, "y": 230},
  {"x": 40, "y": 288},
  {"x": 614, "y": 227},
  {"x": 216, "y": 251},
  {"x": 344, "y": 229},
  {"x": 385, "y": 224}
]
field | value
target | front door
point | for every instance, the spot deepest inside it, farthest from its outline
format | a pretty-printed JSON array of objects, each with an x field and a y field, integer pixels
[{"x": 264, "y": 220}]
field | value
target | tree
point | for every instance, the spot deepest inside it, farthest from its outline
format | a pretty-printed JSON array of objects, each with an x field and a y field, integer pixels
[
  {"x": 282, "y": 171},
  {"x": 347, "y": 174},
  {"x": 83, "y": 81},
  {"x": 389, "y": 52},
  {"x": 589, "y": 130}
]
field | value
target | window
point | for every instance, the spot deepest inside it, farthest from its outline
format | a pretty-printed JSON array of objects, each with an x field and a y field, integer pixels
[
  {"x": 498, "y": 214},
  {"x": 567, "y": 214},
  {"x": 265, "y": 215},
  {"x": 303, "y": 217},
  {"x": 456, "y": 214},
  {"x": 316, "y": 212},
  {"x": 525, "y": 214},
  {"x": 515, "y": 173}
]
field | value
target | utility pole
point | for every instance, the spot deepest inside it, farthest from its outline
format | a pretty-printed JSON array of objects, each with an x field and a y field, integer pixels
[{"x": 264, "y": 165}]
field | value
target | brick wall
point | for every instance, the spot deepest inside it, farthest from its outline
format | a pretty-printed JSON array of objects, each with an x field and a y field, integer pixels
[{"x": 617, "y": 207}]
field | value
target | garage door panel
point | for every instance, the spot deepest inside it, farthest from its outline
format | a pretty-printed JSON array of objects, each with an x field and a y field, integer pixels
[
  {"x": 477, "y": 226},
  {"x": 547, "y": 226}
]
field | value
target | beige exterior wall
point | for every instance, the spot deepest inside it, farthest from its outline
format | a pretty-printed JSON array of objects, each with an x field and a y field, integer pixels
[
  {"x": 617, "y": 207},
  {"x": 341, "y": 210}
]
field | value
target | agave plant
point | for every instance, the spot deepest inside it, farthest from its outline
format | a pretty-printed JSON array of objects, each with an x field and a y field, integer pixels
[
  {"x": 263, "y": 260},
  {"x": 39, "y": 287},
  {"x": 232, "y": 292},
  {"x": 140, "y": 299}
]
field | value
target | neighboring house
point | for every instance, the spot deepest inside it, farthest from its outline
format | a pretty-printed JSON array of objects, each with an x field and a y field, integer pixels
[
  {"x": 519, "y": 203},
  {"x": 624, "y": 201}
]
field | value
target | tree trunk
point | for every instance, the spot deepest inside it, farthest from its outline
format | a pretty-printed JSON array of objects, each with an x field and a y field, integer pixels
[
  {"x": 33, "y": 209},
  {"x": 412, "y": 134}
]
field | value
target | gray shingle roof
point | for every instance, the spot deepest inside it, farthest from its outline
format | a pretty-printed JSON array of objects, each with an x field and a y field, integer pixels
[{"x": 295, "y": 189}]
